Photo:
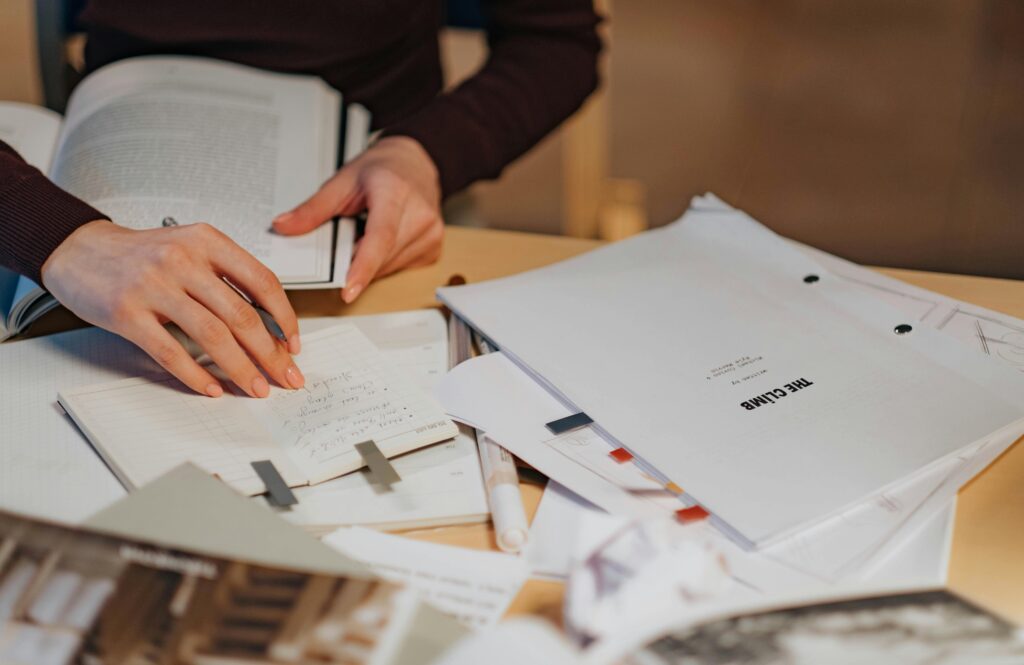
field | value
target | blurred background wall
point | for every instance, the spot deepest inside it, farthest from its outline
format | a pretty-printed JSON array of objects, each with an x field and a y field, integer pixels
[{"x": 890, "y": 132}]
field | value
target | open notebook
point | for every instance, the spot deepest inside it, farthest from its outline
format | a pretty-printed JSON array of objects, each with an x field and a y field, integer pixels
[
  {"x": 145, "y": 426},
  {"x": 441, "y": 485}
]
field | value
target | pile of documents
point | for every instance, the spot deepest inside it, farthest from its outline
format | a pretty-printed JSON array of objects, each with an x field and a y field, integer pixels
[{"x": 823, "y": 416}]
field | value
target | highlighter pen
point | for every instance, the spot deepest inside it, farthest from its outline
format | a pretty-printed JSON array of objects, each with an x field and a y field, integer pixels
[{"x": 501, "y": 479}]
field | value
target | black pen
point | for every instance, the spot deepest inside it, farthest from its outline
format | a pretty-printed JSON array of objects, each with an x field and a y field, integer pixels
[{"x": 266, "y": 317}]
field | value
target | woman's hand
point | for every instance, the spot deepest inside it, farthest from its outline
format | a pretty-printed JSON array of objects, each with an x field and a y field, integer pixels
[
  {"x": 132, "y": 282},
  {"x": 397, "y": 182}
]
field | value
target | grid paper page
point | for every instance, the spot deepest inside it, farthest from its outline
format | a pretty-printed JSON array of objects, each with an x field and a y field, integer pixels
[{"x": 46, "y": 469}]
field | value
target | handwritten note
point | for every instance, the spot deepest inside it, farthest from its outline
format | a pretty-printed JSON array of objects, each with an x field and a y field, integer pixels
[{"x": 352, "y": 394}]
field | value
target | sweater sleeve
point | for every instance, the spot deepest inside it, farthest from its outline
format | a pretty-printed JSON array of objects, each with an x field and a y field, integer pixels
[
  {"x": 35, "y": 215},
  {"x": 542, "y": 65}
]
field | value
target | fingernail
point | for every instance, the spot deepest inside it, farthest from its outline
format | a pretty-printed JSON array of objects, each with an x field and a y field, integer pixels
[
  {"x": 282, "y": 218},
  {"x": 350, "y": 293},
  {"x": 214, "y": 390},
  {"x": 260, "y": 387},
  {"x": 294, "y": 345},
  {"x": 294, "y": 376}
]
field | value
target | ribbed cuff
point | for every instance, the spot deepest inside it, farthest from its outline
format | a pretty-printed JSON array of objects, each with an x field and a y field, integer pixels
[{"x": 35, "y": 217}]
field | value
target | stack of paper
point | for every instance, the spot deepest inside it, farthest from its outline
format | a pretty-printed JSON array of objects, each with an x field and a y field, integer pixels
[{"x": 815, "y": 421}]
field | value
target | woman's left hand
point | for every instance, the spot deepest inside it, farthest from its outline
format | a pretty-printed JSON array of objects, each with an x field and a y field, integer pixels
[{"x": 396, "y": 181}]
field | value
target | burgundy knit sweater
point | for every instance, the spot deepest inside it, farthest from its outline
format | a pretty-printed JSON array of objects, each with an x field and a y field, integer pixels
[{"x": 380, "y": 53}]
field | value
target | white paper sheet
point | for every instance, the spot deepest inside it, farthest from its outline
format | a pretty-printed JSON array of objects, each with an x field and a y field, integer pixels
[
  {"x": 31, "y": 130},
  {"x": 992, "y": 333},
  {"x": 553, "y": 532},
  {"x": 474, "y": 586},
  {"x": 514, "y": 642}
]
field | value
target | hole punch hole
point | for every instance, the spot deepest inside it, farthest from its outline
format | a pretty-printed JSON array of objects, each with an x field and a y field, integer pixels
[
  {"x": 903, "y": 329},
  {"x": 811, "y": 279}
]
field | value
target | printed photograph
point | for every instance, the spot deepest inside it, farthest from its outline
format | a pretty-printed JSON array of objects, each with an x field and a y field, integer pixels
[
  {"x": 933, "y": 628},
  {"x": 70, "y": 596}
]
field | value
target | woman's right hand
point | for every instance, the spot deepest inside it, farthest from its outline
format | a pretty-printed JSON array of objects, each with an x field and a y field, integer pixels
[{"x": 132, "y": 282}]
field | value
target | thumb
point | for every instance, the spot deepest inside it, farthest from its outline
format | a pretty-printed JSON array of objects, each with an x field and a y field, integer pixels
[{"x": 333, "y": 198}]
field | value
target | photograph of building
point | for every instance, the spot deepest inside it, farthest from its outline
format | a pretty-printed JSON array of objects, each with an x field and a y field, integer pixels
[{"x": 70, "y": 596}]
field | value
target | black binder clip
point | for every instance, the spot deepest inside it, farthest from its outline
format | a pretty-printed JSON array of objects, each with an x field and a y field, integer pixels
[
  {"x": 380, "y": 468},
  {"x": 277, "y": 490}
]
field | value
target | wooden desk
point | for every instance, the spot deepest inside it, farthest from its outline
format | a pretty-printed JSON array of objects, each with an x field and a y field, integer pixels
[{"x": 988, "y": 548}]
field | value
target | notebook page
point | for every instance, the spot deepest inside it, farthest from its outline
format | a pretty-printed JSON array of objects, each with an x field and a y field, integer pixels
[
  {"x": 144, "y": 427},
  {"x": 352, "y": 394},
  {"x": 441, "y": 484}
]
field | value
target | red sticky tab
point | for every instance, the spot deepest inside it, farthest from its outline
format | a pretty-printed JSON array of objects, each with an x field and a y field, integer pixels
[
  {"x": 621, "y": 455},
  {"x": 691, "y": 514}
]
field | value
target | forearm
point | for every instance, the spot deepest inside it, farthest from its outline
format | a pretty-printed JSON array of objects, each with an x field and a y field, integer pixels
[
  {"x": 35, "y": 215},
  {"x": 542, "y": 66}
]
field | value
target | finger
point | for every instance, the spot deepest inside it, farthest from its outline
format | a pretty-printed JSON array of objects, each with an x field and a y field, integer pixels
[
  {"x": 248, "y": 329},
  {"x": 216, "y": 339},
  {"x": 422, "y": 251},
  {"x": 337, "y": 196},
  {"x": 260, "y": 284},
  {"x": 154, "y": 339},
  {"x": 376, "y": 246}
]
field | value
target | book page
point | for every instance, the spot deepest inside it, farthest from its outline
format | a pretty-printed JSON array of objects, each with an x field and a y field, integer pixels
[
  {"x": 202, "y": 140},
  {"x": 144, "y": 427}
]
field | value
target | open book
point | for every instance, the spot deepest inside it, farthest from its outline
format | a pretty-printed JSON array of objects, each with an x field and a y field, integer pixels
[
  {"x": 195, "y": 140},
  {"x": 145, "y": 426}
]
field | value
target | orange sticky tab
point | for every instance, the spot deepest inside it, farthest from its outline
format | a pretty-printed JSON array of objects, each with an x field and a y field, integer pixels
[
  {"x": 691, "y": 514},
  {"x": 621, "y": 455},
  {"x": 675, "y": 489}
]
